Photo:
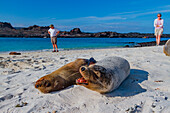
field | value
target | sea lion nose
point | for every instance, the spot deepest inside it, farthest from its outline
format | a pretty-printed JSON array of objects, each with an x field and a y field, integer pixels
[{"x": 83, "y": 68}]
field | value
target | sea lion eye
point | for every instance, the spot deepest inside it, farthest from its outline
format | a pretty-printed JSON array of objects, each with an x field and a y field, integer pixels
[
  {"x": 83, "y": 68},
  {"x": 37, "y": 86}
]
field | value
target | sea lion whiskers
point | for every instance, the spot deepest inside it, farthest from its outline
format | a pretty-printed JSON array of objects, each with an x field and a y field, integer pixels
[
  {"x": 91, "y": 76},
  {"x": 99, "y": 75}
]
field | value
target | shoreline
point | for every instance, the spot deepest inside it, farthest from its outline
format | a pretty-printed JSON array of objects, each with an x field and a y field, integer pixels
[
  {"x": 82, "y": 37},
  {"x": 143, "y": 44},
  {"x": 60, "y": 50}
]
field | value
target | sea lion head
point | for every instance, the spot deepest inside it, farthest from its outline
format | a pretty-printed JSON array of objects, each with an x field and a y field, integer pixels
[
  {"x": 62, "y": 77},
  {"x": 92, "y": 77},
  {"x": 47, "y": 84}
]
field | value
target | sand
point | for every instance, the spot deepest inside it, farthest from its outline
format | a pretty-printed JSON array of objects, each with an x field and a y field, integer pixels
[{"x": 146, "y": 90}]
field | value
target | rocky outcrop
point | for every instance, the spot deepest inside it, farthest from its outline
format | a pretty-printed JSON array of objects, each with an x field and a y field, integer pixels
[
  {"x": 6, "y": 30},
  {"x": 166, "y": 48},
  {"x": 153, "y": 43},
  {"x": 32, "y": 31},
  {"x": 36, "y": 27},
  {"x": 75, "y": 31},
  {"x": 5, "y": 25}
]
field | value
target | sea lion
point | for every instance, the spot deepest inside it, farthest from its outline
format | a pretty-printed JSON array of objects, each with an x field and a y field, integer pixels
[
  {"x": 63, "y": 77},
  {"x": 166, "y": 48},
  {"x": 104, "y": 76},
  {"x": 14, "y": 53}
]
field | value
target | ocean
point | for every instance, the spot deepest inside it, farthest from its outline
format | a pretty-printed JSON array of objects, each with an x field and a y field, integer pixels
[{"x": 44, "y": 44}]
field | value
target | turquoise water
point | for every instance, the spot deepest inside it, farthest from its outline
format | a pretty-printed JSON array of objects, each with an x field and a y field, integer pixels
[{"x": 32, "y": 44}]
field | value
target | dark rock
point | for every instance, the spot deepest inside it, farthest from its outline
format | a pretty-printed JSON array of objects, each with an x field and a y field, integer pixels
[
  {"x": 166, "y": 98},
  {"x": 6, "y": 25},
  {"x": 75, "y": 31},
  {"x": 62, "y": 57},
  {"x": 36, "y": 27},
  {"x": 22, "y": 104},
  {"x": 127, "y": 46},
  {"x": 153, "y": 43},
  {"x": 18, "y": 105},
  {"x": 153, "y": 105}
]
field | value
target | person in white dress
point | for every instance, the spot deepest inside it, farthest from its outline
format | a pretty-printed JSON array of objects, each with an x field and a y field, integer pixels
[{"x": 158, "y": 24}]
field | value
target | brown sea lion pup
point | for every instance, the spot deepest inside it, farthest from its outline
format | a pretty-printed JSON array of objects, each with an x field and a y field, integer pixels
[
  {"x": 63, "y": 77},
  {"x": 104, "y": 76},
  {"x": 14, "y": 53}
]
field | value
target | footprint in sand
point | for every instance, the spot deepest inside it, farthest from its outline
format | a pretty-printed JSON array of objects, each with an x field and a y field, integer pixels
[
  {"x": 2, "y": 65},
  {"x": 6, "y": 97}
]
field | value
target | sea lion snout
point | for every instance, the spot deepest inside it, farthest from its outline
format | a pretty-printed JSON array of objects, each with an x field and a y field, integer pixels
[{"x": 43, "y": 83}]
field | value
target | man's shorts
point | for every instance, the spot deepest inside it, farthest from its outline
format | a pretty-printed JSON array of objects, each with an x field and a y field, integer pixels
[
  {"x": 54, "y": 40},
  {"x": 158, "y": 31}
]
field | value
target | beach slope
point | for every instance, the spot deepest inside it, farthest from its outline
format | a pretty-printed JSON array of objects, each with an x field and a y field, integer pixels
[{"x": 146, "y": 90}]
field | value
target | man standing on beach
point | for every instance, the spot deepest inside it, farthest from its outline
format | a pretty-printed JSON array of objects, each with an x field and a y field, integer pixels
[
  {"x": 53, "y": 34},
  {"x": 158, "y": 24}
]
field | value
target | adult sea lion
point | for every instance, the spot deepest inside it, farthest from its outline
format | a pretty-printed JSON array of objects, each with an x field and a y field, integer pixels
[
  {"x": 63, "y": 77},
  {"x": 166, "y": 48},
  {"x": 104, "y": 76}
]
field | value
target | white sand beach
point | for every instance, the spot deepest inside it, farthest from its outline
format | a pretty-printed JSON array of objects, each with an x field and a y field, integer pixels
[{"x": 146, "y": 90}]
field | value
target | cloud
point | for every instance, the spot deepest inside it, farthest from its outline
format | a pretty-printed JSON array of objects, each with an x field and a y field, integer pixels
[
  {"x": 118, "y": 16},
  {"x": 106, "y": 18},
  {"x": 98, "y": 27},
  {"x": 90, "y": 19},
  {"x": 135, "y": 14},
  {"x": 167, "y": 6},
  {"x": 151, "y": 12},
  {"x": 122, "y": 13}
]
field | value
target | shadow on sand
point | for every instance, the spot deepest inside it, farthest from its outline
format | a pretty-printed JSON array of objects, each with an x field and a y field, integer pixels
[{"x": 130, "y": 86}]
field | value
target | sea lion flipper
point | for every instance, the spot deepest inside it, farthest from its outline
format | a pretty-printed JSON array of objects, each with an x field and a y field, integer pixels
[{"x": 73, "y": 76}]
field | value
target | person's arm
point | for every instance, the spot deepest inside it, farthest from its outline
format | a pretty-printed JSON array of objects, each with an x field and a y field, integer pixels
[
  {"x": 57, "y": 33},
  {"x": 155, "y": 24},
  {"x": 162, "y": 22},
  {"x": 49, "y": 32}
]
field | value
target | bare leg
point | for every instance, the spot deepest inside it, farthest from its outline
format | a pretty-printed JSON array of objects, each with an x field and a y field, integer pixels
[
  {"x": 159, "y": 38},
  {"x": 156, "y": 39},
  {"x": 56, "y": 46}
]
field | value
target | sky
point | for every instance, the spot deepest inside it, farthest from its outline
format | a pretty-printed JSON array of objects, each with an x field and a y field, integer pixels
[{"x": 121, "y": 16}]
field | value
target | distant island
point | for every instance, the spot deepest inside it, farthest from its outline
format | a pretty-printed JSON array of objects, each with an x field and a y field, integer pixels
[{"x": 7, "y": 30}]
